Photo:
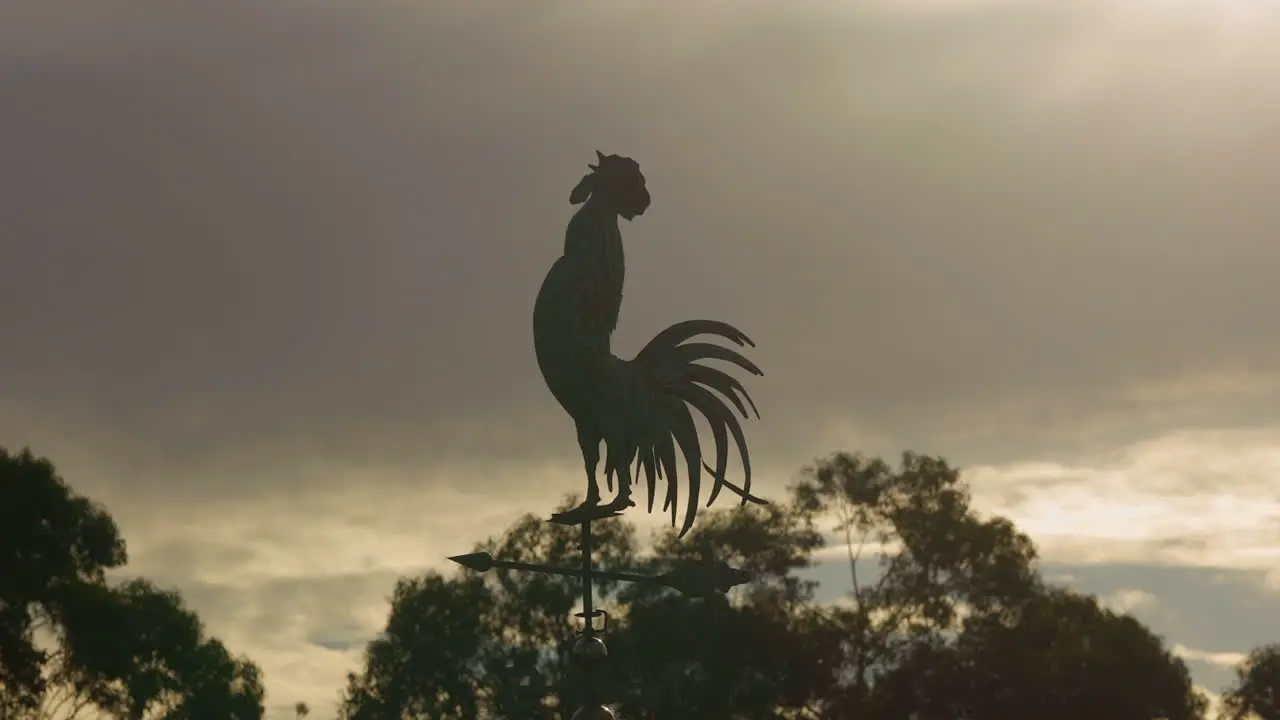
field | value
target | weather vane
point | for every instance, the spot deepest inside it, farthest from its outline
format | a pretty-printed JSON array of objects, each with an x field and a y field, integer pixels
[
  {"x": 639, "y": 408},
  {"x": 697, "y": 581}
]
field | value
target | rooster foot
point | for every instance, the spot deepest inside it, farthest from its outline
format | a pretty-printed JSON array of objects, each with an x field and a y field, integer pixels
[
  {"x": 588, "y": 511},
  {"x": 620, "y": 503}
]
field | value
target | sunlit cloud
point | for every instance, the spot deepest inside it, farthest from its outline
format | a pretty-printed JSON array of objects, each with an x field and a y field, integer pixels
[
  {"x": 1272, "y": 580},
  {"x": 1221, "y": 659},
  {"x": 1201, "y": 498},
  {"x": 1127, "y": 601},
  {"x": 1214, "y": 707},
  {"x": 1204, "y": 498}
]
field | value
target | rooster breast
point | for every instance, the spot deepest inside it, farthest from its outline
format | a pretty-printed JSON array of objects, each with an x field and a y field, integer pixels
[
  {"x": 563, "y": 348},
  {"x": 577, "y": 310}
]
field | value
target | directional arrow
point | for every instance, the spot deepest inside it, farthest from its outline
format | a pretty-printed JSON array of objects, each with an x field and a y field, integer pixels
[
  {"x": 692, "y": 581},
  {"x": 480, "y": 562}
]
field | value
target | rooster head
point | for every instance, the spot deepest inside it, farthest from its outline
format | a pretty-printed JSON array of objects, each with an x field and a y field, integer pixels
[{"x": 616, "y": 184}]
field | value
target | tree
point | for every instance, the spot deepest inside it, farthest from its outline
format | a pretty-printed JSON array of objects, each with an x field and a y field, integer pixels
[
  {"x": 1257, "y": 687},
  {"x": 956, "y": 623},
  {"x": 768, "y": 652},
  {"x": 1059, "y": 655},
  {"x": 426, "y": 663},
  {"x": 499, "y": 646},
  {"x": 130, "y": 650},
  {"x": 136, "y": 652},
  {"x": 951, "y": 622},
  {"x": 483, "y": 646},
  {"x": 301, "y": 710},
  {"x": 937, "y": 562},
  {"x": 52, "y": 541}
]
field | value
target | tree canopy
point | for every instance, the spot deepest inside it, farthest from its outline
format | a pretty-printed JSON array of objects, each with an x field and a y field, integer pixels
[
  {"x": 947, "y": 618},
  {"x": 1256, "y": 691},
  {"x": 129, "y": 650}
]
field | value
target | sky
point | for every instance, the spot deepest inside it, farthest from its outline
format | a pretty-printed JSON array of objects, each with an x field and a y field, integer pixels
[{"x": 269, "y": 268}]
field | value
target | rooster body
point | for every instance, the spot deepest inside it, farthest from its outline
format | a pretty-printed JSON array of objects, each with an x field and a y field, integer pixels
[{"x": 639, "y": 408}]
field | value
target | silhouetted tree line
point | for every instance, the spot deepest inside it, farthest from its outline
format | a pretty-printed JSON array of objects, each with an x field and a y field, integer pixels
[
  {"x": 947, "y": 619},
  {"x": 73, "y": 645}
]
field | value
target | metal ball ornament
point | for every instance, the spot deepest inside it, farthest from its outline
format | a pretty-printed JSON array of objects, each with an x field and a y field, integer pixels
[
  {"x": 594, "y": 712},
  {"x": 590, "y": 649}
]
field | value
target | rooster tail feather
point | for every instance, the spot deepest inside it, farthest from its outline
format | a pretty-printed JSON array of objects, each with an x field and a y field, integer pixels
[
  {"x": 672, "y": 383},
  {"x": 746, "y": 497},
  {"x": 723, "y": 423},
  {"x": 686, "y": 434},
  {"x": 668, "y": 339},
  {"x": 666, "y": 452},
  {"x": 725, "y": 384},
  {"x": 651, "y": 470},
  {"x": 715, "y": 412},
  {"x": 679, "y": 358}
]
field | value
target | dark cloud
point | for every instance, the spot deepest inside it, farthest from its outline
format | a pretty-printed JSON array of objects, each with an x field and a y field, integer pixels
[
  {"x": 264, "y": 261},
  {"x": 259, "y": 231}
]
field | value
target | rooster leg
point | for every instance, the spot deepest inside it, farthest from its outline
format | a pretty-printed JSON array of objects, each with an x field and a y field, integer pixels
[
  {"x": 593, "y": 489},
  {"x": 590, "y": 444},
  {"x": 590, "y": 509},
  {"x": 622, "y": 500}
]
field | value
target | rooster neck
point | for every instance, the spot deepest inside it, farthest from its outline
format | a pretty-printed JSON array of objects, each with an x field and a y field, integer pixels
[
  {"x": 593, "y": 241},
  {"x": 590, "y": 229}
]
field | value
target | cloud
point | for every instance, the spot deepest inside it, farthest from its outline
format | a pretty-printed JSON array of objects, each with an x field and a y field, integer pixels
[
  {"x": 1193, "y": 498},
  {"x": 1127, "y": 601},
  {"x": 1272, "y": 579},
  {"x": 269, "y": 266},
  {"x": 1214, "y": 707},
  {"x": 1201, "y": 498},
  {"x": 1221, "y": 659},
  {"x": 300, "y": 585},
  {"x": 942, "y": 228}
]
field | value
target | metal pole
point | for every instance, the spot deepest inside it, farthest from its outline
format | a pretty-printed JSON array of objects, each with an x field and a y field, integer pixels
[
  {"x": 587, "y": 571},
  {"x": 590, "y": 650},
  {"x": 708, "y": 580},
  {"x": 589, "y": 632}
]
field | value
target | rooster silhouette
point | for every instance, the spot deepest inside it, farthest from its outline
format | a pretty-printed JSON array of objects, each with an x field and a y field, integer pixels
[{"x": 639, "y": 408}]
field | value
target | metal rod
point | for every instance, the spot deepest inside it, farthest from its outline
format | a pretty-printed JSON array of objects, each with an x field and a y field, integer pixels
[
  {"x": 577, "y": 572},
  {"x": 588, "y": 611},
  {"x": 587, "y": 572},
  {"x": 589, "y": 650}
]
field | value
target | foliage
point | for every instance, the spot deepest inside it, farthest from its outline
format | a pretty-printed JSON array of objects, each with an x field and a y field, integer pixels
[
  {"x": 769, "y": 637},
  {"x": 1257, "y": 687},
  {"x": 426, "y": 663},
  {"x": 947, "y": 618},
  {"x": 484, "y": 646},
  {"x": 937, "y": 562},
  {"x": 129, "y": 650},
  {"x": 1059, "y": 655},
  {"x": 953, "y": 622},
  {"x": 53, "y": 542}
]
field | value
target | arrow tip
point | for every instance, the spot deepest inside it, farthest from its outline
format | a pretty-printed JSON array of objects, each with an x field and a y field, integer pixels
[{"x": 480, "y": 562}]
